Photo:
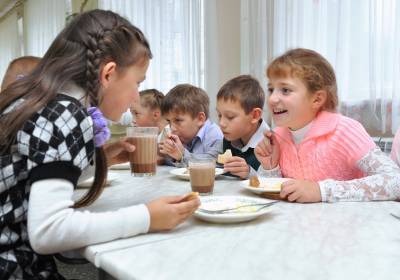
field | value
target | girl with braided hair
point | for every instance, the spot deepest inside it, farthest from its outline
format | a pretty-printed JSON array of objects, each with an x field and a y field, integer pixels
[{"x": 52, "y": 131}]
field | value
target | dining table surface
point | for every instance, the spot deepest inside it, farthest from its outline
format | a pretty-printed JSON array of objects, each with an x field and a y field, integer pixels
[{"x": 344, "y": 240}]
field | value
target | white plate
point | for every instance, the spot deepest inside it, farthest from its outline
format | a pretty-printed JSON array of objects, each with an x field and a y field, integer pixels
[
  {"x": 111, "y": 177},
  {"x": 121, "y": 166},
  {"x": 183, "y": 173},
  {"x": 235, "y": 216},
  {"x": 270, "y": 185}
]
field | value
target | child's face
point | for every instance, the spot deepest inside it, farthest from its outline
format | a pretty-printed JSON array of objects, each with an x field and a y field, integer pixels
[
  {"x": 184, "y": 125},
  {"x": 144, "y": 117},
  {"x": 290, "y": 103},
  {"x": 119, "y": 90},
  {"x": 233, "y": 120}
]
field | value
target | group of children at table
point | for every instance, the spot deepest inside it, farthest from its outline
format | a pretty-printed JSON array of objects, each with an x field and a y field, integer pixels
[
  {"x": 330, "y": 157},
  {"x": 49, "y": 120}
]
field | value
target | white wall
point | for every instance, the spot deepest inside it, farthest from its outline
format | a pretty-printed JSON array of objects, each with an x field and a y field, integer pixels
[{"x": 222, "y": 44}]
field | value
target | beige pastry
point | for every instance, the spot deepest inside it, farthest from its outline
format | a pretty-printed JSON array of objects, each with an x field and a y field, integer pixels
[
  {"x": 223, "y": 157},
  {"x": 254, "y": 182},
  {"x": 190, "y": 196}
]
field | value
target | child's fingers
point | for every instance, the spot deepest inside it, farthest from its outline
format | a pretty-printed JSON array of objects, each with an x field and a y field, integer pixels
[
  {"x": 259, "y": 151},
  {"x": 172, "y": 199},
  {"x": 128, "y": 146},
  {"x": 265, "y": 144},
  {"x": 268, "y": 133},
  {"x": 234, "y": 164},
  {"x": 287, "y": 188},
  {"x": 274, "y": 139},
  {"x": 294, "y": 196},
  {"x": 187, "y": 207},
  {"x": 234, "y": 159},
  {"x": 175, "y": 138},
  {"x": 168, "y": 144},
  {"x": 237, "y": 170}
]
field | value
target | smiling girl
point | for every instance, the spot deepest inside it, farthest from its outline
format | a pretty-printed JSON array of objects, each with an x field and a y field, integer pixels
[{"x": 329, "y": 157}]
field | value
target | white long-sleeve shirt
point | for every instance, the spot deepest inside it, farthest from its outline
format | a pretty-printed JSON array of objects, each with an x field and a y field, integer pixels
[{"x": 53, "y": 226}]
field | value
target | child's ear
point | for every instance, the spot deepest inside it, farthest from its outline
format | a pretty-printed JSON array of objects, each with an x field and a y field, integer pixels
[
  {"x": 319, "y": 99},
  {"x": 256, "y": 115},
  {"x": 107, "y": 73},
  {"x": 201, "y": 118},
  {"x": 156, "y": 114}
]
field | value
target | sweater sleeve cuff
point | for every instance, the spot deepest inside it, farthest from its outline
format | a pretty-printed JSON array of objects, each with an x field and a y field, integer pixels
[
  {"x": 324, "y": 189},
  {"x": 274, "y": 172},
  {"x": 136, "y": 220}
]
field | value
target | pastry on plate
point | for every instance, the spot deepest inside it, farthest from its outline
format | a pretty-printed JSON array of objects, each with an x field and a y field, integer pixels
[{"x": 254, "y": 182}]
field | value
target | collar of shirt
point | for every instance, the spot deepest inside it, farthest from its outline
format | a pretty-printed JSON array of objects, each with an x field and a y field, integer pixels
[
  {"x": 200, "y": 135},
  {"x": 254, "y": 140},
  {"x": 298, "y": 135},
  {"x": 323, "y": 124},
  {"x": 73, "y": 90}
]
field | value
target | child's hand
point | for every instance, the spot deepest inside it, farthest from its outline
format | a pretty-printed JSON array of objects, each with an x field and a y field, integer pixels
[
  {"x": 267, "y": 151},
  {"x": 168, "y": 212},
  {"x": 173, "y": 147},
  {"x": 118, "y": 152},
  {"x": 301, "y": 191},
  {"x": 237, "y": 166}
]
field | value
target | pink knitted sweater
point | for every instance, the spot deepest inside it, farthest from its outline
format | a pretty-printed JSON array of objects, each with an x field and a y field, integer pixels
[{"x": 330, "y": 149}]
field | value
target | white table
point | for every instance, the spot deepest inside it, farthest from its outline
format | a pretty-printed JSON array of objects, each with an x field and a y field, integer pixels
[{"x": 294, "y": 241}]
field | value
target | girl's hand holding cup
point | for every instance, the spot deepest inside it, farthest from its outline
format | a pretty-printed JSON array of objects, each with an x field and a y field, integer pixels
[
  {"x": 118, "y": 152},
  {"x": 268, "y": 151}
]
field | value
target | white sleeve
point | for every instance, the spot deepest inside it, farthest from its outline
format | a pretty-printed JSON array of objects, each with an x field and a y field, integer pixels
[
  {"x": 274, "y": 172},
  {"x": 53, "y": 226},
  {"x": 382, "y": 181}
]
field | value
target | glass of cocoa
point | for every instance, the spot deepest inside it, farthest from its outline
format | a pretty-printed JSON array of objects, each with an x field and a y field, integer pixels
[
  {"x": 202, "y": 174},
  {"x": 144, "y": 159}
]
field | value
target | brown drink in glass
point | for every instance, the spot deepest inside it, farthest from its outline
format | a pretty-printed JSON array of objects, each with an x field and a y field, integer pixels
[
  {"x": 144, "y": 159},
  {"x": 202, "y": 175}
]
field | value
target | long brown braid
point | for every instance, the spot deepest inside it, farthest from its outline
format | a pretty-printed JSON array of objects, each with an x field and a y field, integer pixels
[{"x": 75, "y": 56}]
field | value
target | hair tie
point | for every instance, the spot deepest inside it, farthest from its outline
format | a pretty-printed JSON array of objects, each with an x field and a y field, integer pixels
[{"x": 101, "y": 131}]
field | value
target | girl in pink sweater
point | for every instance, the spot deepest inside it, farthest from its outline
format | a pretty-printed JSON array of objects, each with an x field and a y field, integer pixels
[{"x": 329, "y": 156}]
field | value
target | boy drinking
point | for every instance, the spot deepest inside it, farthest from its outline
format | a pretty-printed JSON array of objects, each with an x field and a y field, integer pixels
[{"x": 186, "y": 109}]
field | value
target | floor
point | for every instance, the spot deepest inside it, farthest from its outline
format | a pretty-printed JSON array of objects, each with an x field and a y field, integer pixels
[{"x": 77, "y": 271}]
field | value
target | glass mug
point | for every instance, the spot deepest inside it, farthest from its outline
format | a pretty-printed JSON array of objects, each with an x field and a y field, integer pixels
[
  {"x": 144, "y": 159},
  {"x": 202, "y": 174}
]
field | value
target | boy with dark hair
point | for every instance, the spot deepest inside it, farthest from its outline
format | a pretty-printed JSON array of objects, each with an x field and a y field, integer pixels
[{"x": 240, "y": 103}]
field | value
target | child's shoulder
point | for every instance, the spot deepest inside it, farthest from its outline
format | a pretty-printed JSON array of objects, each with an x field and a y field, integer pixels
[
  {"x": 64, "y": 107},
  {"x": 345, "y": 124},
  {"x": 63, "y": 114},
  {"x": 351, "y": 133},
  {"x": 212, "y": 130},
  {"x": 331, "y": 121}
]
